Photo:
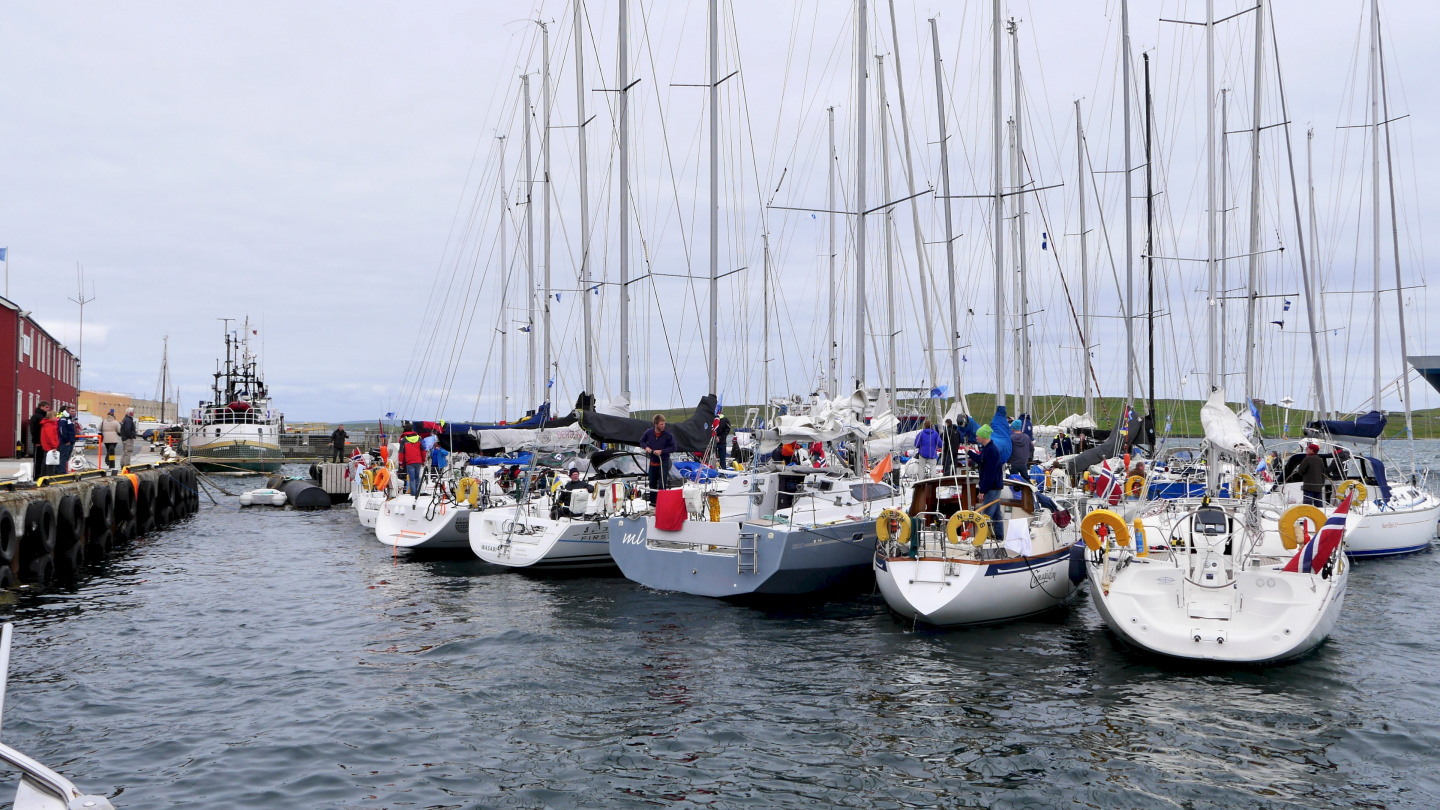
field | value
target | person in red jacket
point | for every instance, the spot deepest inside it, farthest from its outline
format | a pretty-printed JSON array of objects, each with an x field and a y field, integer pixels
[
  {"x": 50, "y": 440},
  {"x": 412, "y": 459}
]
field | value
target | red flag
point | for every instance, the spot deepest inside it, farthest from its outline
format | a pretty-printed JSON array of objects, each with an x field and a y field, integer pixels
[
  {"x": 1317, "y": 550},
  {"x": 1108, "y": 486},
  {"x": 884, "y": 466}
]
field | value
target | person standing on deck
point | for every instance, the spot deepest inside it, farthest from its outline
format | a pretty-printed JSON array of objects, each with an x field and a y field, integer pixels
[
  {"x": 49, "y": 440},
  {"x": 337, "y": 443},
  {"x": 110, "y": 437},
  {"x": 659, "y": 443},
  {"x": 952, "y": 439},
  {"x": 128, "y": 434},
  {"x": 992, "y": 474},
  {"x": 1312, "y": 477},
  {"x": 1023, "y": 450},
  {"x": 412, "y": 459},
  {"x": 722, "y": 432},
  {"x": 927, "y": 445}
]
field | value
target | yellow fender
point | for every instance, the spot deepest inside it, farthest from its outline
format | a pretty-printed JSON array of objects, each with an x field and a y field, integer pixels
[
  {"x": 1142, "y": 547},
  {"x": 367, "y": 480},
  {"x": 882, "y": 526},
  {"x": 1345, "y": 486},
  {"x": 1139, "y": 485},
  {"x": 979, "y": 519},
  {"x": 1109, "y": 519},
  {"x": 468, "y": 489},
  {"x": 1291, "y": 519},
  {"x": 1245, "y": 484}
]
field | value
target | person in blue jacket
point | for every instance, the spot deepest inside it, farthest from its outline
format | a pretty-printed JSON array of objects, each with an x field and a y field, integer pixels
[
  {"x": 928, "y": 446},
  {"x": 67, "y": 439},
  {"x": 991, "y": 470}
]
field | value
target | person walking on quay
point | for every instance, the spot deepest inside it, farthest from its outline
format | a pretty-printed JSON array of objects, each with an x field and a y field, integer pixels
[
  {"x": 36, "y": 420},
  {"x": 110, "y": 437},
  {"x": 722, "y": 431},
  {"x": 67, "y": 429},
  {"x": 659, "y": 443},
  {"x": 927, "y": 444},
  {"x": 128, "y": 435},
  {"x": 49, "y": 443},
  {"x": 337, "y": 443},
  {"x": 412, "y": 458}
]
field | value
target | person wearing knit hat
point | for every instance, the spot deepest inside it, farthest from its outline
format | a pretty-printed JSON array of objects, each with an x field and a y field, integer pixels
[
  {"x": 991, "y": 472},
  {"x": 1312, "y": 475}
]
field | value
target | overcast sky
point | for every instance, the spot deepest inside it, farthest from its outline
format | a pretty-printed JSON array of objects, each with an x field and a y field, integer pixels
[{"x": 316, "y": 166}]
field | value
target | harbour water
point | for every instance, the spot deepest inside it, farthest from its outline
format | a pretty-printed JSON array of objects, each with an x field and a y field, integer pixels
[{"x": 281, "y": 659}]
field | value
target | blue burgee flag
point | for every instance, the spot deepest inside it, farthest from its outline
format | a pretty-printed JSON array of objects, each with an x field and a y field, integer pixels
[
  {"x": 1255, "y": 412},
  {"x": 937, "y": 393},
  {"x": 390, "y": 415},
  {"x": 3, "y": 251}
]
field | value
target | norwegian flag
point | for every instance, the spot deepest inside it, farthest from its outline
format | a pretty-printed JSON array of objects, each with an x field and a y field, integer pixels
[
  {"x": 1317, "y": 550},
  {"x": 1108, "y": 486}
]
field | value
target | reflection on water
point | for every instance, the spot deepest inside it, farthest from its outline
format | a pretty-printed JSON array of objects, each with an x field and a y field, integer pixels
[{"x": 274, "y": 659}]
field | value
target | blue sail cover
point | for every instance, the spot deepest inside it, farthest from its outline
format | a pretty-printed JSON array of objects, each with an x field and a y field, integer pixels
[
  {"x": 1000, "y": 433},
  {"x": 1369, "y": 426},
  {"x": 542, "y": 415},
  {"x": 517, "y": 460}
]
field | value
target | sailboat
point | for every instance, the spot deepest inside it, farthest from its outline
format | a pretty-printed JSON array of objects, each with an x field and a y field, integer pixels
[
  {"x": 237, "y": 430},
  {"x": 942, "y": 560},
  {"x": 1209, "y": 583}
]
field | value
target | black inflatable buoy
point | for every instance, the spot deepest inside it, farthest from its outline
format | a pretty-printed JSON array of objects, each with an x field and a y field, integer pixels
[{"x": 305, "y": 495}]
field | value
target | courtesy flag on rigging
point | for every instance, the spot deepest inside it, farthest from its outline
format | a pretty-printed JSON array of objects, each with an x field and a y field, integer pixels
[
  {"x": 1317, "y": 550},
  {"x": 1108, "y": 486}
]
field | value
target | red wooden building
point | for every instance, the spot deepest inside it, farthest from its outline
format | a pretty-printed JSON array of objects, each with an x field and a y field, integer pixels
[{"x": 40, "y": 368}]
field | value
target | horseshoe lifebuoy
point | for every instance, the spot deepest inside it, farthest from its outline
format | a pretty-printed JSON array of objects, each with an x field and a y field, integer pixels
[
  {"x": 1111, "y": 520},
  {"x": 1291, "y": 518}
]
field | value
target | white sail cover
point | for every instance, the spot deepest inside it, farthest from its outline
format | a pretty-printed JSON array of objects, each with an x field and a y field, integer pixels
[
  {"x": 619, "y": 405},
  {"x": 828, "y": 421},
  {"x": 1222, "y": 427},
  {"x": 1078, "y": 421},
  {"x": 543, "y": 439}
]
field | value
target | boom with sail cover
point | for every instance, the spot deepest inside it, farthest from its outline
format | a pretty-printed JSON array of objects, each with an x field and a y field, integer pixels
[{"x": 691, "y": 436}]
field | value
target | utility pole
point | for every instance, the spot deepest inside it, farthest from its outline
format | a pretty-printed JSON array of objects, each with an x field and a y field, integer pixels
[{"x": 82, "y": 301}]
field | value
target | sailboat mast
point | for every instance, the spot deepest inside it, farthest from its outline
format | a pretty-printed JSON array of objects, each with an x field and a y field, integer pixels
[
  {"x": 1022, "y": 300},
  {"x": 1253, "y": 288},
  {"x": 1149, "y": 238},
  {"x": 1130, "y": 200},
  {"x": 954, "y": 341},
  {"x": 831, "y": 369},
  {"x": 921, "y": 260},
  {"x": 1084, "y": 265},
  {"x": 1375, "y": 188},
  {"x": 861, "y": 124},
  {"x": 1212, "y": 471},
  {"x": 529, "y": 252},
  {"x": 581, "y": 156},
  {"x": 545, "y": 170},
  {"x": 623, "y": 72},
  {"x": 1224, "y": 230},
  {"x": 889, "y": 228},
  {"x": 504, "y": 321},
  {"x": 765, "y": 319},
  {"x": 1395, "y": 237},
  {"x": 714, "y": 196},
  {"x": 1310, "y": 274},
  {"x": 999, "y": 191}
]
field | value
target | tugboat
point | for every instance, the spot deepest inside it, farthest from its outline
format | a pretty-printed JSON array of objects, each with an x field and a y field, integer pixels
[{"x": 236, "y": 431}]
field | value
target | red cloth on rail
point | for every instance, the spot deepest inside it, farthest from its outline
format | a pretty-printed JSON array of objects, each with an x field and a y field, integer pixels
[{"x": 670, "y": 510}]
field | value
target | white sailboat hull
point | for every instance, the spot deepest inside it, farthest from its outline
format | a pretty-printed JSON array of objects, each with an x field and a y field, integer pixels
[
  {"x": 516, "y": 537},
  {"x": 949, "y": 593},
  {"x": 409, "y": 522}
]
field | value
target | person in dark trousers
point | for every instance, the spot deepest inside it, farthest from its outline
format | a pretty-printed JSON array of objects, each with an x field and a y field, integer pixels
[
  {"x": 412, "y": 459},
  {"x": 68, "y": 433},
  {"x": 952, "y": 438},
  {"x": 992, "y": 475},
  {"x": 337, "y": 444},
  {"x": 927, "y": 444},
  {"x": 1311, "y": 473},
  {"x": 36, "y": 420},
  {"x": 659, "y": 443},
  {"x": 722, "y": 432},
  {"x": 1023, "y": 450},
  {"x": 128, "y": 435}
]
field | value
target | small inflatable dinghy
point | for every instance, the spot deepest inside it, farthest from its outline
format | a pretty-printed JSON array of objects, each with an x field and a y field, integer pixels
[{"x": 263, "y": 497}]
